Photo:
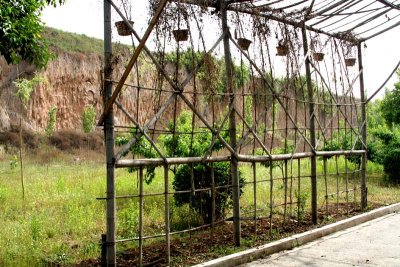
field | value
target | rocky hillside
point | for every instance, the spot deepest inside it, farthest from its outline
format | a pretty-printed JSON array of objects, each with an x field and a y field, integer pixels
[{"x": 72, "y": 82}]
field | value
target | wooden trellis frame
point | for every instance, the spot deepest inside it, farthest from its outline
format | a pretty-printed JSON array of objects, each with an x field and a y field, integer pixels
[{"x": 308, "y": 21}]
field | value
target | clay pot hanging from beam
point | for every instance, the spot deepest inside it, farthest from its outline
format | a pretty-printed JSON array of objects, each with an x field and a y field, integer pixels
[
  {"x": 181, "y": 35},
  {"x": 244, "y": 43},
  {"x": 349, "y": 62},
  {"x": 282, "y": 50},
  {"x": 317, "y": 56},
  {"x": 122, "y": 28}
]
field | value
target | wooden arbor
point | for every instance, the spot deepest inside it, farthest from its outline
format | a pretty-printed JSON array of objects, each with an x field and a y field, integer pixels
[{"x": 328, "y": 114}]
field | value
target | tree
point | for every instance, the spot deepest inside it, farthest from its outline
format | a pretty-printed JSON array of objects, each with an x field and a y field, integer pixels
[
  {"x": 25, "y": 89},
  {"x": 21, "y": 31},
  {"x": 384, "y": 143},
  {"x": 391, "y": 103},
  {"x": 88, "y": 116},
  {"x": 51, "y": 122}
]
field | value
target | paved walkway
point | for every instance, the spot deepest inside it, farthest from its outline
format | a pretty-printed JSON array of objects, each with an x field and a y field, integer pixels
[{"x": 374, "y": 243}]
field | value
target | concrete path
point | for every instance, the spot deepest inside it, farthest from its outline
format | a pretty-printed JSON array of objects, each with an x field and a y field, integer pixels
[{"x": 374, "y": 243}]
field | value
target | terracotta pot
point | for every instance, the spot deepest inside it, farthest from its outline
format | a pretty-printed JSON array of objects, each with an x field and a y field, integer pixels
[
  {"x": 181, "y": 35},
  {"x": 318, "y": 56},
  {"x": 350, "y": 61},
  {"x": 244, "y": 43},
  {"x": 122, "y": 28},
  {"x": 282, "y": 50}
]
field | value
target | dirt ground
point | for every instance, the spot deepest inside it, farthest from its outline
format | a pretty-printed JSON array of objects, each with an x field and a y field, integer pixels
[{"x": 206, "y": 245}]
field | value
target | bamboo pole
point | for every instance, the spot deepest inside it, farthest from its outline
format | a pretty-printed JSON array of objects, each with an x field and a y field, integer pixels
[
  {"x": 141, "y": 216},
  {"x": 326, "y": 188},
  {"x": 242, "y": 158},
  {"x": 109, "y": 140},
  {"x": 213, "y": 194},
  {"x": 255, "y": 196},
  {"x": 232, "y": 124},
  {"x": 364, "y": 192},
  {"x": 167, "y": 217},
  {"x": 314, "y": 199}
]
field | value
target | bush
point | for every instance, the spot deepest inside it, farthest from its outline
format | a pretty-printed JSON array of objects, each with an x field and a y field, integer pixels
[
  {"x": 385, "y": 149},
  {"x": 202, "y": 201}
]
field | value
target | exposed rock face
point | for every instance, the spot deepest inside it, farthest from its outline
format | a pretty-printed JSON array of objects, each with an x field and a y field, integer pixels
[{"x": 72, "y": 82}]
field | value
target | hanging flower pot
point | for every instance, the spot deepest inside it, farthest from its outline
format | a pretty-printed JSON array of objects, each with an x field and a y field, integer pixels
[
  {"x": 350, "y": 61},
  {"x": 317, "y": 56},
  {"x": 282, "y": 50},
  {"x": 244, "y": 43},
  {"x": 181, "y": 35},
  {"x": 122, "y": 28}
]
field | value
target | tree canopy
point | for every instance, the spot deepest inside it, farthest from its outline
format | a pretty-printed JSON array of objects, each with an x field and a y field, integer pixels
[
  {"x": 21, "y": 31},
  {"x": 391, "y": 103}
]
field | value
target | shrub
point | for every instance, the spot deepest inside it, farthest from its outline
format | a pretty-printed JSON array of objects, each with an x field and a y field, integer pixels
[
  {"x": 202, "y": 201},
  {"x": 385, "y": 149}
]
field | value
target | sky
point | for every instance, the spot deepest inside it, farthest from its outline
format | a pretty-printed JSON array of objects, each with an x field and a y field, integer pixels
[{"x": 86, "y": 17}]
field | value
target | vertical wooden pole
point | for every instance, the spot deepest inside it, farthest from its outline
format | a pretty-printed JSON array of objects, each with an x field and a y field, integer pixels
[
  {"x": 326, "y": 188},
  {"x": 312, "y": 130},
  {"x": 232, "y": 125},
  {"x": 167, "y": 220},
  {"x": 255, "y": 197},
  {"x": 213, "y": 194},
  {"x": 364, "y": 190},
  {"x": 109, "y": 139},
  {"x": 141, "y": 216}
]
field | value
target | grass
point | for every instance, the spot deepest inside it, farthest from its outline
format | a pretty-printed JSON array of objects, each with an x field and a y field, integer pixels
[
  {"x": 60, "y": 221},
  {"x": 73, "y": 42}
]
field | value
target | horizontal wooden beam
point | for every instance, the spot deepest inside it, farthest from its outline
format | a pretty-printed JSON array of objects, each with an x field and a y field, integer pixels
[{"x": 125, "y": 163}]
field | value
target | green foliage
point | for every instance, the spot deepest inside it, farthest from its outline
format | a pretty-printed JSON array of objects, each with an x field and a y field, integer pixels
[
  {"x": 21, "y": 31},
  {"x": 72, "y": 42},
  {"x": 14, "y": 162},
  {"x": 385, "y": 149},
  {"x": 88, "y": 116},
  {"x": 26, "y": 87},
  {"x": 344, "y": 141},
  {"x": 302, "y": 198},
  {"x": 51, "y": 122},
  {"x": 141, "y": 148},
  {"x": 202, "y": 201},
  {"x": 186, "y": 145},
  {"x": 384, "y": 139},
  {"x": 390, "y": 105}
]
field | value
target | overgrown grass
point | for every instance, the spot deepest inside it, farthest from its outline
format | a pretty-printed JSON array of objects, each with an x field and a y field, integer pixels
[{"x": 60, "y": 221}]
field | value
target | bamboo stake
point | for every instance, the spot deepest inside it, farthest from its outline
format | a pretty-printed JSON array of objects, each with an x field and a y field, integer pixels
[
  {"x": 326, "y": 188},
  {"x": 364, "y": 192},
  {"x": 232, "y": 125},
  {"x": 314, "y": 196},
  {"x": 140, "y": 216},
  {"x": 167, "y": 216},
  {"x": 255, "y": 197},
  {"x": 109, "y": 140}
]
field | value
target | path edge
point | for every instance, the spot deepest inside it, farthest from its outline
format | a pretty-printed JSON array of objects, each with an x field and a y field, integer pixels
[{"x": 296, "y": 240}]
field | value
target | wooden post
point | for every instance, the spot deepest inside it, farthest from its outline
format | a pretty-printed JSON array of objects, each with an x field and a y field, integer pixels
[
  {"x": 103, "y": 250},
  {"x": 109, "y": 140},
  {"x": 364, "y": 190},
  {"x": 312, "y": 130},
  {"x": 141, "y": 216},
  {"x": 167, "y": 217},
  {"x": 232, "y": 124}
]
